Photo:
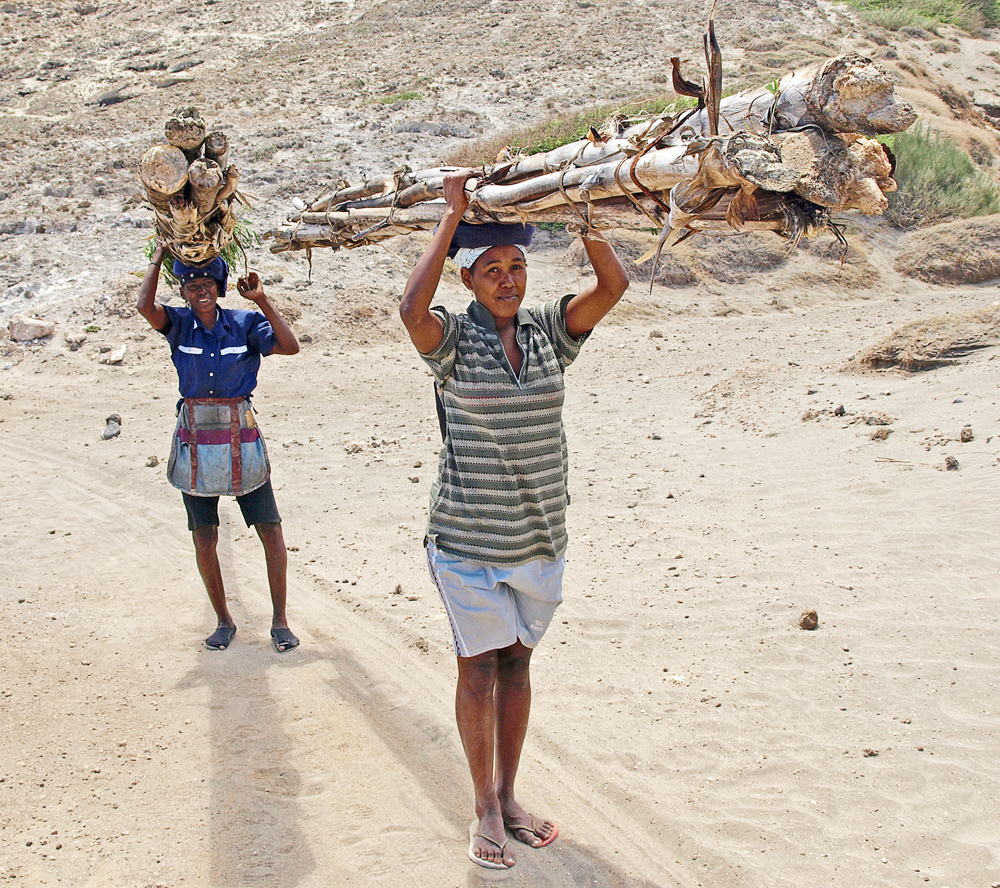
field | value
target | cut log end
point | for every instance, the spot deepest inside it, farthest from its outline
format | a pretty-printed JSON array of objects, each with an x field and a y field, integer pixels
[
  {"x": 164, "y": 168},
  {"x": 853, "y": 94},
  {"x": 205, "y": 178},
  {"x": 163, "y": 171},
  {"x": 217, "y": 148},
  {"x": 185, "y": 130}
]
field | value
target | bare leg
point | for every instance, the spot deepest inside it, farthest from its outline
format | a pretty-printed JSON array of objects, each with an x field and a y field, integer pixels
[
  {"x": 276, "y": 557},
  {"x": 476, "y": 716},
  {"x": 513, "y": 706},
  {"x": 206, "y": 542}
]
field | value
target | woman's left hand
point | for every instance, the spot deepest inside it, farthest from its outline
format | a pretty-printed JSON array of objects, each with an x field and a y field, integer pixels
[{"x": 250, "y": 287}]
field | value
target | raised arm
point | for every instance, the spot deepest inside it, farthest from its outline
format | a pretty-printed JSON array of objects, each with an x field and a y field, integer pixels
[
  {"x": 590, "y": 305},
  {"x": 251, "y": 288},
  {"x": 146, "y": 303},
  {"x": 421, "y": 323}
]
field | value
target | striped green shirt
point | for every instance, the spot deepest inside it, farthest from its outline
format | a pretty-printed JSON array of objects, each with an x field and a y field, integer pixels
[{"x": 500, "y": 496}]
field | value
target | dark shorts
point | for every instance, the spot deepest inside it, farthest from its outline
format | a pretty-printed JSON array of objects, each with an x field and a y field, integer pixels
[{"x": 258, "y": 507}]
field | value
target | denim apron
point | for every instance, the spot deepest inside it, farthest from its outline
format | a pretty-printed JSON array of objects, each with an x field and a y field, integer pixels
[{"x": 217, "y": 448}]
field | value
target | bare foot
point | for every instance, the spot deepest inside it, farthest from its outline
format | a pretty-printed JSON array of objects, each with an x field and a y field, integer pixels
[
  {"x": 528, "y": 828},
  {"x": 487, "y": 851}
]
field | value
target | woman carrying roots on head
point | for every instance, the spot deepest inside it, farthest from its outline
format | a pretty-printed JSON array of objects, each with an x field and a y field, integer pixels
[
  {"x": 217, "y": 448},
  {"x": 496, "y": 532}
]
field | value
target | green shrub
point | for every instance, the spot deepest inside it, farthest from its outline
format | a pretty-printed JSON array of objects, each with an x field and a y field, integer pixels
[
  {"x": 970, "y": 15},
  {"x": 937, "y": 181},
  {"x": 895, "y": 19},
  {"x": 391, "y": 99}
]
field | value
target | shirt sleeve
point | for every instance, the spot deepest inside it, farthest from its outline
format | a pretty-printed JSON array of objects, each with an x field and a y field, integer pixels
[
  {"x": 442, "y": 359},
  {"x": 260, "y": 333},
  {"x": 172, "y": 331},
  {"x": 551, "y": 317}
]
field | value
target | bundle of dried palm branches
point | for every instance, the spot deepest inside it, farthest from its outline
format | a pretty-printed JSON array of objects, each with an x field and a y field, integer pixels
[
  {"x": 192, "y": 188},
  {"x": 779, "y": 159}
]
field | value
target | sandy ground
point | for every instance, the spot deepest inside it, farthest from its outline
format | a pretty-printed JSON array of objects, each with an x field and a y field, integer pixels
[{"x": 686, "y": 731}]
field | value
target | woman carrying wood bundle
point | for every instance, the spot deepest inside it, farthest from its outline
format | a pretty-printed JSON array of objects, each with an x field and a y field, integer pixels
[
  {"x": 496, "y": 534},
  {"x": 217, "y": 448}
]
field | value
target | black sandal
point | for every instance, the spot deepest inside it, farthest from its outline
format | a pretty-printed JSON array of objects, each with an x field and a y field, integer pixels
[
  {"x": 221, "y": 638},
  {"x": 283, "y": 639}
]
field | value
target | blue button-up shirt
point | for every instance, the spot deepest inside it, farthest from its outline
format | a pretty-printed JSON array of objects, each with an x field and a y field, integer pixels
[{"x": 221, "y": 362}]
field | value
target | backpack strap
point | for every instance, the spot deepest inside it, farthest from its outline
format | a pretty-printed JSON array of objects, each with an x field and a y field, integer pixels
[{"x": 442, "y": 416}]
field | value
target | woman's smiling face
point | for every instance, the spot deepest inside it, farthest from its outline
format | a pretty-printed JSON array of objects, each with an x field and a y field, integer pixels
[
  {"x": 201, "y": 294},
  {"x": 498, "y": 279}
]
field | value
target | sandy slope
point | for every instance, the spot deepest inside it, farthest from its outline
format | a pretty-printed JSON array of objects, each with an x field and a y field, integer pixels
[{"x": 686, "y": 732}]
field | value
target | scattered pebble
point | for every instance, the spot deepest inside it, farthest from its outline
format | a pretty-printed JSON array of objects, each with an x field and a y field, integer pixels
[
  {"x": 75, "y": 339},
  {"x": 113, "y": 356},
  {"x": 808, "y": 619},
  {"x": 113, "y": 428},
  {"x": 951, "y": 464}
]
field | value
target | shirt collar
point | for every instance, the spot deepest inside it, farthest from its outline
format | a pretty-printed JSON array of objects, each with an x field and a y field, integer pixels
[
  {"x": 482, "y": 317},
  {"x": 220, "y": 318}
]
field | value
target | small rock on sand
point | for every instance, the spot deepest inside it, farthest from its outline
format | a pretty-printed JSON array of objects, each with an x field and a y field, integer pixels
[
  {"x": 27, "y": 329},
  {"x": 115, "y": 356},
  {"x": 113, "y": 427}
]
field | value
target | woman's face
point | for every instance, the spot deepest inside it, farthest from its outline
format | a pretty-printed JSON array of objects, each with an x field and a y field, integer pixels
[
  {"x": 498, "y": 279},
  {"x": 201, "y": 294}
]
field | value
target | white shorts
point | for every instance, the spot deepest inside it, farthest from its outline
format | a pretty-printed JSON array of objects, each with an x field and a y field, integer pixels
[{"x": 492, "y": 607}]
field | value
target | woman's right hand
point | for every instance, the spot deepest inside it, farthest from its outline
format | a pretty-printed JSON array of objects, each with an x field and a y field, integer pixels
[
  {"x": 423, "y": 325},
  {"x": 160, "y": 253},
  {"x": 454, "y": 189}
]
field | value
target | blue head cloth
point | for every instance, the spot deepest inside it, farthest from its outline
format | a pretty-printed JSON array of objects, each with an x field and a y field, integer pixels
[
  {"x": 216, "y": 269},
  {"x": 490, "y": 234}
]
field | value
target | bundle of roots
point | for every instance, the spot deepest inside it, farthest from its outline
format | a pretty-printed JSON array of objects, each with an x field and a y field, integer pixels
[{"x": 191, "y": 187}]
